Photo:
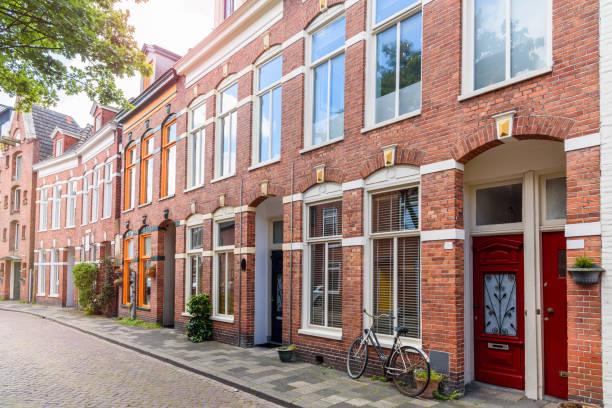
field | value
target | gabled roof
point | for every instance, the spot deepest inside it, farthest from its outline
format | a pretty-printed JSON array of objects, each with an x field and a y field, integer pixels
[
  {"x": 84, "y": 134},
  {"x": 45, "y": 123}
]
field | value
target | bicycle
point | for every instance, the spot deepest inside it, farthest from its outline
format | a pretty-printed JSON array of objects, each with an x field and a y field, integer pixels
[{"x": 407, "y": 365}]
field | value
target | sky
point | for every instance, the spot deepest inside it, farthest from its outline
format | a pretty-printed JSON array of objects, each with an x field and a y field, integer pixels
[{"x": 176, "y": 25}]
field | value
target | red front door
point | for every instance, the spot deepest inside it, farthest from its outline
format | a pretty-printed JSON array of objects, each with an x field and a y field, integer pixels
[
  {"x": 498, "y": 311},
  {"x": 554, "y": 314}
]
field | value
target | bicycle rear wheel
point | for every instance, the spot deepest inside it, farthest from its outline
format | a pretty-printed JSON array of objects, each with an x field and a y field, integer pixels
[
  {"x": 410, "y": 370},
  {"x": 357, "y": 357}
]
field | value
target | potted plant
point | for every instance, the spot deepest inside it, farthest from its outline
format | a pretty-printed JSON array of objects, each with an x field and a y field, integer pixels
[
  {"x": 434, "y": 382},
  {"x": 575, "y": 404},
  {"x": 584, "y": 271},
  {"x": 285, "y": 353},
  {"x": 151, "y": 271}
]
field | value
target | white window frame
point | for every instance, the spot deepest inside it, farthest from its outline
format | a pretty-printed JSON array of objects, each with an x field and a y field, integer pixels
[
  {"x": 71, "y": 204},
  {"x": 108, "y": 189},
  {"x": 59, "y": 146},
  {"x": 54, "y": 274},
  {"x": 44, "y": 208},
  {"x": 190, "y": 252},
  {"x": 373, "y": 30},
  {"x": 56, "y": 207},
  {"x": 40, "y": 286},
  {"x": 18, "y": 166},
  {"x": 85, "y": 201},
  {"x": 16, "y": 236},
  {"x": 95, "y": 194},
  {"x": 268, "y": 57},
  {"x": 226, "y": 250},
  {"x": 326, "y": 18},
  {"x": 516, "y": 227},
  {"x": 192, "y": 155},
  {"x": 547, "y": 224},
  {"x": 467, "y": 81},
  {"x": 17, "y": 199},
  {"x": 219, "y": 131},
  {"x": 404, "y": 177}
]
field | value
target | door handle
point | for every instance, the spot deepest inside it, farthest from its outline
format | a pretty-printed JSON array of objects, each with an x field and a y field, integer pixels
[{"x": 550, "y": 311}]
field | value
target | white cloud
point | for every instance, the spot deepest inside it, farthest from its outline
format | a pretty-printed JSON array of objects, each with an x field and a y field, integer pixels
[{"x": 173, "y": 24}]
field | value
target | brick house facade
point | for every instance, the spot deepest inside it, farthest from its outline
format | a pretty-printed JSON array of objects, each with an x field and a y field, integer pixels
[
  {"x": 77, "y": 212},
  {"x": 309, "y": 160}
]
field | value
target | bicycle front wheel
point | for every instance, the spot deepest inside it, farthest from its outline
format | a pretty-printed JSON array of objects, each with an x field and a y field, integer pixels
[
  {"x": 357, "y": 357},
  {"x": 410, "y": 370}
]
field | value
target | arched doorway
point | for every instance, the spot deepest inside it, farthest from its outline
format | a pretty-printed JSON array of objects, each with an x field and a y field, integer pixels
[{"x": 515, "y": 283}]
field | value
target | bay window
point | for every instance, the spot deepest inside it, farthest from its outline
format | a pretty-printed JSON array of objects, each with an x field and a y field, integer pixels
[
  {"x": 326, "y": 65},
  {"x": 498, "y": 52},
  {"x": 269, "y": 104},
  {"x": 395, "y": 246},
  {"x": 325, "y": 264},
  {"x": 223, "y": 270},
  {"x": 168, "y": 160},
  {"x": 195, "y": 150},
  {"x": 193, "y": 273},
  {"x": 227, "y": 128},
  {"x": 146, "y": 171}
]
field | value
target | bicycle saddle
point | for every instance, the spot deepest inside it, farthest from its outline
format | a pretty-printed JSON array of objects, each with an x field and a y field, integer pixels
[{"x": 401, "y": 330}]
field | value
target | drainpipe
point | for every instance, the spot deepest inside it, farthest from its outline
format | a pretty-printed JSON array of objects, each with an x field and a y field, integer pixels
[
  {"x": 240, "y": 269},
  {"x": 291, "y": 258}
]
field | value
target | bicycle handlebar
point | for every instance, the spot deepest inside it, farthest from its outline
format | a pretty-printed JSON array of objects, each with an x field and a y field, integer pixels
[{"x": 377, "y": 316}]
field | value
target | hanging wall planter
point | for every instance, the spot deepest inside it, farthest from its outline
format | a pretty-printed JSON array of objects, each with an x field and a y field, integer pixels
[{"x": 585, "y": 272}]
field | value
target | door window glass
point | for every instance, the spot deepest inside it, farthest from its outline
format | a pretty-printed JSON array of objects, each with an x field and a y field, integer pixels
[
  {"x": 500, "y": 304},
  {"x": 499, "y": 205},
  {"x": 555, "y": 198}
]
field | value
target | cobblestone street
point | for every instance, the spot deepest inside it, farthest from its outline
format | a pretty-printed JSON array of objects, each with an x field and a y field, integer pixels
[{"x": 44, "y": 364}]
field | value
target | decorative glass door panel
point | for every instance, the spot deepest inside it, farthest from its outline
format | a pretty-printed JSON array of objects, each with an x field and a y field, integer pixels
[{"x": 500, "y": 304}]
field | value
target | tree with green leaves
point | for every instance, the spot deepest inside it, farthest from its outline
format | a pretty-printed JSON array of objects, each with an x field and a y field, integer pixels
[{"x": 70, "y": 46}]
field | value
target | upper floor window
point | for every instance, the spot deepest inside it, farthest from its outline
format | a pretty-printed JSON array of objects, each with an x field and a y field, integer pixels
[
  {"x": 98, "y": 122},
  {"x": 169, "y": 160},
  {"x": 56, "y": 207},
  {"x": 108, "y": 189},
  {"x": 17, "y": 171},
  {"x": 71, "y": 204},
  {"x": 146, "y": 170},
  {"x": 44, "y": 208},
  {"x": 228, "y": 8},
  {"x": 326, "y": 63},
  {"x": 223, "y": 270},
  {"x": 498, "y": 52},
  {"x": 16, "y": 236},
  {"x": 59, "y": 147},
  {"x": 195, "y": 150},
  {"x": 85, "y": 193},
  {"x": 227, "y": 125},
  {"x": 130, "y": 178},
  {"x": 95, "y": 193},
  {"x": 397, "y": 33},
  {"x": 269, "y": 104},
  {"x": 16, "y": 199}
]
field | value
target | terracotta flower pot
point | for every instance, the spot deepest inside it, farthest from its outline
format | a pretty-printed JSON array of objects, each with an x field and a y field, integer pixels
[
  {"x": 431, "y": 387},
  {"x": 575, "y": 404}
]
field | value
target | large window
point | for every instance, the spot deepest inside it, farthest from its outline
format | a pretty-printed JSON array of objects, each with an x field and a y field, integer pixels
[
  {"x": 85, "y": 202},
  {"x": 16, "y": 199},
  {"x": 18, "y": 163},
  {"x": 144, "y": 284},
  {"x": 15, "y": 235},
  {"x": 325, "y": 252},
  {"x": 195, "y": 150},
  {"x": 224, "y": 269},
  {"x": 56, "y": 208},
  {"x": 327, "y": 82},
  {"x": 228, "y": 127},
  {"x": 499, "y": 52},
  {"x": 95, "y": 194},
  {"x": 398, "y": 38},
  {"x": 130, "y": 179},
  {"x": 128, "y": 270},
  {"x": 193, "y": 273},
  {"x": 108, "y": 189},
  {"x": 40, "y": 285},
  {"x": 169, "y": 160},
  {"x": 146, "y": 170},
  {"x": 44, "y": 208},
  {"x": 71, "y": 204},
  {"x": 54, "y": 275},
  {"x": 269, "y": 97},
  {"x": 395, "y": 244}
]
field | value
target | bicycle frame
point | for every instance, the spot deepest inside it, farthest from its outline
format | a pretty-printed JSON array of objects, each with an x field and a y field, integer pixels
[{"x": 370, "y": 335}]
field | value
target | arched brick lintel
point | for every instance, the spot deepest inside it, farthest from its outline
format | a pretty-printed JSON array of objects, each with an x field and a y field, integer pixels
[
  {"x": 554, "y": 128},
  {"x": 376, "y": 161},
  {"x": 254, "y": 198},
  {"x": 331, "y": 175}
]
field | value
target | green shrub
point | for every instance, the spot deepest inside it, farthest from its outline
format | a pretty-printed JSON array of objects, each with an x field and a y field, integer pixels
[
  {"x": 199, "y": 327},
  {"x": 128, "y": 321},
  {"x": 583, "y": 262},
  {"x": 85, "y": 275},
  {"x": 106, "y": 298}
]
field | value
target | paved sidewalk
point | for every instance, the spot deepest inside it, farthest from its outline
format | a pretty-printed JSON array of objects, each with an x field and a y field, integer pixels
[{"x": 259, "y": 371}]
